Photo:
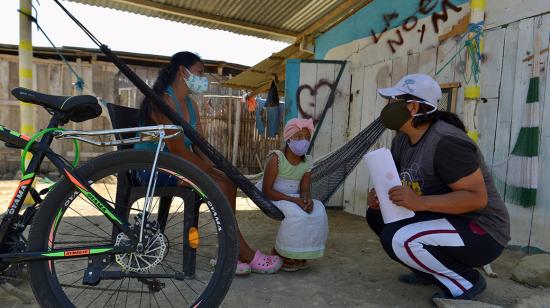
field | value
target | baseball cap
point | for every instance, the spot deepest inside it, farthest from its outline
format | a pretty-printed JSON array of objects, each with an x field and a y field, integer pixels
[{"x": 419, "y": 85}]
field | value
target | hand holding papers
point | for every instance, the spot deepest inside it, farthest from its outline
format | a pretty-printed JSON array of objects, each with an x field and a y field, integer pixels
[{"x": 384, "y": 176}]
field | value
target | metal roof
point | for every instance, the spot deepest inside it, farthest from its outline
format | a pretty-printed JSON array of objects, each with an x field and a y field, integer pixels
[
  {"x": 258, "y": 78},
  {"x": 282, "y": 20}
]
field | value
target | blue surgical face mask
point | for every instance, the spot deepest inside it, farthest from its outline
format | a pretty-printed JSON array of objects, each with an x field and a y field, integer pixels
[
  {"x": 196, "y": 84},
  {"x": 299, "y": 147}
]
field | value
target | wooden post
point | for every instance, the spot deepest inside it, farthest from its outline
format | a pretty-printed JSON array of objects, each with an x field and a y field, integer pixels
[
  {"x": 27, "y": 111},
  {"x": 472, "y": 91},
  {"x": 237, "y": 130}
]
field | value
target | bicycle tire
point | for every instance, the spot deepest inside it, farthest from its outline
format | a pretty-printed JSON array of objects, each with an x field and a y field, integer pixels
[{"x": 44, "y": 282}]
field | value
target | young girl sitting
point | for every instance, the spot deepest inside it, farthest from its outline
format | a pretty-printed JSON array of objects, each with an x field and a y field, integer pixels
[{"x": 304, "y": 230}]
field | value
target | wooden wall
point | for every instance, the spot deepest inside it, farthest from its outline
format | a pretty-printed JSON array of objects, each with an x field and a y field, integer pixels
[
  {"x": 333, "y": 132},
  {"x": 504, "y": 82},
  {"x": 103, "y": 80}
]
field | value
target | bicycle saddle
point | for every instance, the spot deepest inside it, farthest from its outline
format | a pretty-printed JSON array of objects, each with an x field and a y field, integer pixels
[{"x": 77, "y": 108}]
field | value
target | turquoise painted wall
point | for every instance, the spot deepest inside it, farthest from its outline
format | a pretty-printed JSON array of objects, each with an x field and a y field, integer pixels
[
  {"x": 291, "y": 87},
  {"x": 371, "y": 17}
]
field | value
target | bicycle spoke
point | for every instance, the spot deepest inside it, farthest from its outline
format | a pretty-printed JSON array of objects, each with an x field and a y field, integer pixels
[
  {"x": 161, "y": 286},
  {"x": 176, "y": 213},
  {"x": 87, "y": 231},
  {"x": 109, "y": 299},
  {"x": 184, "y": 298},
  {"x": 107, "y": 189},
  {"x": 88, "y": 220},
  {"x": 72, "y": 272},
  {"x": 127, "y": 293},
  {"x": 141, "y": 295},
  {"x": 118, "y": 290}
]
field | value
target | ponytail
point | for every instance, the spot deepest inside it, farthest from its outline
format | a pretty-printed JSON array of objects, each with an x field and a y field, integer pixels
[{"x": 433, "y": 117}]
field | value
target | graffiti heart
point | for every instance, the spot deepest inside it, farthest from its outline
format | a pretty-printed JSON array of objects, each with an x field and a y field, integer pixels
[{"x": 307, "y": 106}]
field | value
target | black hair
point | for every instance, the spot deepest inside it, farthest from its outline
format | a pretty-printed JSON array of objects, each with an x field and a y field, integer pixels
[
  {"x": 166, "y": 76},
  {"x": 433, "y": 117}
]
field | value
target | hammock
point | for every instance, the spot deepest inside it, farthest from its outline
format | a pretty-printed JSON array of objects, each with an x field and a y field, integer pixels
[
  {"x": 328, "y": 174},
  {"x": 330, "y": 171}
]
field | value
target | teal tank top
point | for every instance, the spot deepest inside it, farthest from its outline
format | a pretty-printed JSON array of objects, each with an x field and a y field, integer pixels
[{"x": 152, "y": 146}]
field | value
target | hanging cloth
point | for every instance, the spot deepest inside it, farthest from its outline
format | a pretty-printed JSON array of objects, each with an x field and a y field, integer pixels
[
  {"x": 260, "y": 124},
  {"x": 251, "y": 104},
  {"x": 272, "y": 96}
]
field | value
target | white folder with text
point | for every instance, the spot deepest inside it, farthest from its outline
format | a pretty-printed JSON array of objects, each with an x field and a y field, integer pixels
[{"x": 384, "y": 176}]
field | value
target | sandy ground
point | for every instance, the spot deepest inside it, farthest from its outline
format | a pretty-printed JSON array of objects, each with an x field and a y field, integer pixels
[{"x": 354, "y": 273}]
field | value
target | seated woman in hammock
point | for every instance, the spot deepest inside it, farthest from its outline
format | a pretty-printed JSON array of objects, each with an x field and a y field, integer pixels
[
  {"x": 181, "y": 77},
  {"x": 304, "y": 230}
]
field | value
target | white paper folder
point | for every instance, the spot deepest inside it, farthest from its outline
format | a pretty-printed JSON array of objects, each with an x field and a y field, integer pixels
[{"x": 384, "y": 176}]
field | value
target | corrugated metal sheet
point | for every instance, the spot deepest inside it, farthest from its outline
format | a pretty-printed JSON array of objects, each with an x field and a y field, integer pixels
[
  {"x": 260, "y": 75},
  {"x": 279, "y": 20}
]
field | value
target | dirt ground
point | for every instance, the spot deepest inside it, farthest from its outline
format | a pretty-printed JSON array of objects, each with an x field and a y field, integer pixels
[{"x": 354, "y": 273}]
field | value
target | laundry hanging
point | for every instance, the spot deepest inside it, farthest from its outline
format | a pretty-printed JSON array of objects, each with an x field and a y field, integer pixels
[
  {"x": 260, "y": 124},
  {"x": 273, "y": 111},
  {"x": 273, "y": 121},
  {"x": 251, "y": 103}
]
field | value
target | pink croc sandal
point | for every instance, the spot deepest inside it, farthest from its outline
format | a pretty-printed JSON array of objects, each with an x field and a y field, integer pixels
[
  {"x": 264, "y": 264},
  {"x": 242, "y": 269}
]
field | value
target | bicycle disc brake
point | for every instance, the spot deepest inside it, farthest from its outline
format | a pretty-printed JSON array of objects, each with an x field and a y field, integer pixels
[{"x": 155, "y": 249}]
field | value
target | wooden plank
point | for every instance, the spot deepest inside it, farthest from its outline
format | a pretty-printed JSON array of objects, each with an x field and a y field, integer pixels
[
  {"x": 502, "y": 12},
  {"x": 376, "y": 77},
  {"x": 4, "y": 79},
  {"x": 325, "y": 72},
  {"x": 14, "y": 77},
  {"x": 340, "y": 118},
  {"x": 355, "y": 110},
  {"x": 445, "y": 53},
  {"x": 541, "y": 214},
  {"x": 399, "y": 69},
  {"x": 4, "y": 92},
  {"x": 308, "y": 76},
  {"x": 491, "y": 71},
  {"x": 55, "y": 87},
  {"x": 413, "y": 64},
  {"x": 42, "y": 73},
  {"x": 426, "y": 61},
  {"x": 520, "y": 217},
  {"x": 506, "y": 103},
  {"x": 369, "y": 100}
]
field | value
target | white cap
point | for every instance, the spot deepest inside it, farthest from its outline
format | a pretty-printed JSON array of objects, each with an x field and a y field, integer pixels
[{"x": 419, "y": 85}]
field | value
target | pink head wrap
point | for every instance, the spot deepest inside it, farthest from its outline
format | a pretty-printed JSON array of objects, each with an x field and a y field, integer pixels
[{"x": 295, "y": 125}]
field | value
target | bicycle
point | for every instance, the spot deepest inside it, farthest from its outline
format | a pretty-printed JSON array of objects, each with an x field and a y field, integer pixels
[{"x": 87, "y": 248}]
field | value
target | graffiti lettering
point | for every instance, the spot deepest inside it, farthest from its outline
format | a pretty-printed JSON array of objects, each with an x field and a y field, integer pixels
[
  {"x": 407, "y": 23},
  {"x": 388, "y": 19},
  {"x": 425, "y": 8},
  {"x": 398, "y": 42},
  {"x": 443, "y": 16},
  {"x": 412, "y": 22},
  {"x": 422, "y": 31}
]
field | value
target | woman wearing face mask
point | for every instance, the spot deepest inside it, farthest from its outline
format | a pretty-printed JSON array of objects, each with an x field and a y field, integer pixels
[
  {"x": 461, "y": 221},
  {"x": 287, "y": 177},
  {"x": 181, "y": 77}
]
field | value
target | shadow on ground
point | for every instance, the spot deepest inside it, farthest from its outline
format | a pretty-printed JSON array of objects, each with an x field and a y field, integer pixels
[{"x": 354, "y": 273}]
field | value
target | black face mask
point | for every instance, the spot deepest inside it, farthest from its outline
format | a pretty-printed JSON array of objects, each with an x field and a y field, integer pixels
[{"x": 394, "y": 115}]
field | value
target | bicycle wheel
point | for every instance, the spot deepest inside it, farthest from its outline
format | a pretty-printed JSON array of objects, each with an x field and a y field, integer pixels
[{"x": 192, "y": 241}]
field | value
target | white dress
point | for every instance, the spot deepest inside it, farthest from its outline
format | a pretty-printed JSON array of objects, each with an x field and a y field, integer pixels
[{"x": 301, "y": 235}]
